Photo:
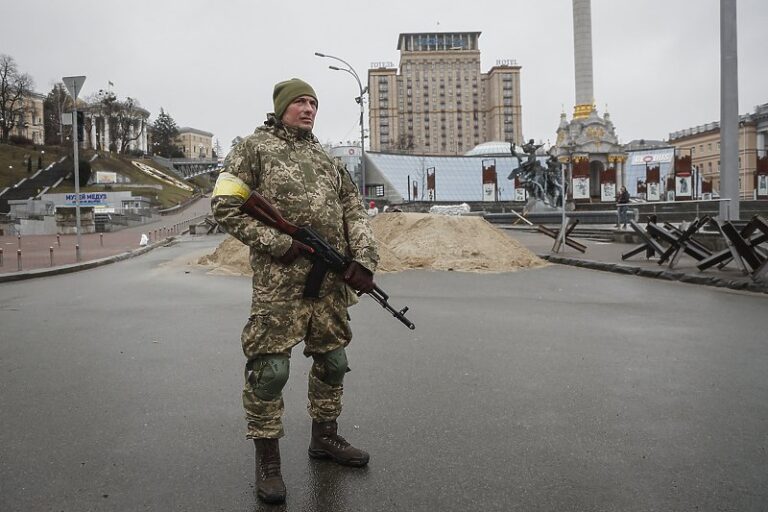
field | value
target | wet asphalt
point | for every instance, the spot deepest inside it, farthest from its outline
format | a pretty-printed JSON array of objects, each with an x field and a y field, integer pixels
[{"x": 551, "y": 389}]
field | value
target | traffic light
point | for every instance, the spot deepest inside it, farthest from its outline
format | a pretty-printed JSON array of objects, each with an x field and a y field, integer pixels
[{"x": 80, "y": 126}]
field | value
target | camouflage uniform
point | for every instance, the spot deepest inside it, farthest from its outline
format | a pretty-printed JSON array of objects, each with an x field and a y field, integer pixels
[{"x": 291, "y": 170}]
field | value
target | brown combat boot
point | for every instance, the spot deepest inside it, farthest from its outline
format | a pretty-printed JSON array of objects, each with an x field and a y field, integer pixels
[
  {"x": 327, "y": 444},
  {"x": 269, "y": 481}
]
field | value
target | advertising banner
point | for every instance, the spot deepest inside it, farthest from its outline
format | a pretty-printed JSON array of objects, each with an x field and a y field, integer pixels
[
  {"x": 607, "y": 192},
  {"x": 762, "y": 185},
  {"x": 489, "y": 191},
  {"x": 653, "y": 191},
  {"x": 581, "y": 187},
  {"x": 682, "y": 186}
]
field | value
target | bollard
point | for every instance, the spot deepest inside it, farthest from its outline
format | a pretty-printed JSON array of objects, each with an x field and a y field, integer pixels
[
  {"x": 51, "y": 250},
  {"x": 18, "y": 258},
  {"x": 58, "y": 239},
  {"x": 101, "y": 239},
  {"x": 77, "y": 252}
]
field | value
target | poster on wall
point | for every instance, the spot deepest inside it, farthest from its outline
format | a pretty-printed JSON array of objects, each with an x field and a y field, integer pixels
[
  {"x": 581, "y": 187},
  {"x": 653, "y": 192},
  {"x": 489, "y": 191},
  {"x": 520, "y": 194},
  {"x": 762, "y": 185},
  {"x": 683, "y": 186},
  {"x": 608, "y": 192}
]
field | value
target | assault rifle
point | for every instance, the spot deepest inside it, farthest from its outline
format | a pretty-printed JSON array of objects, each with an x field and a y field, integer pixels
[{"x": 323, "y": 255}]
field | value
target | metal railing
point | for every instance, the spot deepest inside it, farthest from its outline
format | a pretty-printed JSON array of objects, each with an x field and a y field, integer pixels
[{"x": 697, "y": 202}]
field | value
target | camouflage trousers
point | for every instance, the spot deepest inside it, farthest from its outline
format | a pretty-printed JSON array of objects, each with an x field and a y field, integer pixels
[{"x": 277, "y": 327}]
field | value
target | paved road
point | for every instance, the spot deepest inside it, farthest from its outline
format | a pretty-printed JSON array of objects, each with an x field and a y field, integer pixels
[{"x": 554, "y": 389}]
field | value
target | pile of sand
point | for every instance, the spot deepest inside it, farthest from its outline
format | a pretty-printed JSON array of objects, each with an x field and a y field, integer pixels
[
  {"x": 419, "y": 241},
  {"x": 230, "y": 257},
  {"x": 440, "y": 242}
]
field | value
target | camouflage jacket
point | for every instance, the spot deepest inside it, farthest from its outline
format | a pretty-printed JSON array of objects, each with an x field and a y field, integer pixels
[{"x": 292, "y": 171}]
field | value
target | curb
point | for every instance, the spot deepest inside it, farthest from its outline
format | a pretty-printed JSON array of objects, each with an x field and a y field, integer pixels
[
  {"x": 667, "y": 275},
  {"x": 76, "y": 267}
]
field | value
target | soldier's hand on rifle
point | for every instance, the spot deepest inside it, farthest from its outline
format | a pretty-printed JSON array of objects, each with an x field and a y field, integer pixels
[
  {"x": 296, "y": 250},
  {"x": 359, "y": 277}
]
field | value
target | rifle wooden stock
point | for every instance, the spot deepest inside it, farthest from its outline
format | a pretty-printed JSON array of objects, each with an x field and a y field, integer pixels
[
  {"x": 260, "y": 209},
  {"x": 322, "y": 252}
]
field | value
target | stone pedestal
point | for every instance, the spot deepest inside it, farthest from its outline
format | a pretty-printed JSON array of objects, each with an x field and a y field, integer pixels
[{"x": 66, "y": 222}]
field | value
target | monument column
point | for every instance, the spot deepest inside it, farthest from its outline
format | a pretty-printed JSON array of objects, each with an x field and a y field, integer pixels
[{"x": 582, "y": 48}]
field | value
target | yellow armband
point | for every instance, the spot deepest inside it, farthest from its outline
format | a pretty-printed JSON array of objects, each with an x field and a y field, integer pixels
[{"x": 228, "y": 184}]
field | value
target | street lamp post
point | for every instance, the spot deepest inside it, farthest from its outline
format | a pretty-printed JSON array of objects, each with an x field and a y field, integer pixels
[{"x": 349, "y": 69}]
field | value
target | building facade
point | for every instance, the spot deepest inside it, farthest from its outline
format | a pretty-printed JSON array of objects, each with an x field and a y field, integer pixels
[
  {"x": 438, "y": 102},
  {"x": 349, "y": 156},
  {"x": 702, "y": 143},
  {"x": 119, "y": 133},
  {"x": 30, "y": 122},
  {"x": 195, "y": 144}
]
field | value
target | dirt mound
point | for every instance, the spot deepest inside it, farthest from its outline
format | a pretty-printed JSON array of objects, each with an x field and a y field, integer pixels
[
  {"x": 418, "y": 241},
  {"x": 231, "y": 256},
  {"x": 440, "y": 242}
]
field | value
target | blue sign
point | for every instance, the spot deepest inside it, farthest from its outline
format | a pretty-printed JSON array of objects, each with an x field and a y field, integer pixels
[{"x": 87, "y": 198}]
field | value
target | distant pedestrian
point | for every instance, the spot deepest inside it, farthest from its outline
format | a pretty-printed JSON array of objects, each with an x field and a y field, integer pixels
[{"x": 623, "y": 202}]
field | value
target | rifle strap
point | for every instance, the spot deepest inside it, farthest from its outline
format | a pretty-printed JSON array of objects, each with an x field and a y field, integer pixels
[{"x": 315, "y": 279}]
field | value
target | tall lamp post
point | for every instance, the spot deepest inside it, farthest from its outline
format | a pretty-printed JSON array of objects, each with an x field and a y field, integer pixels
[{"x": 349, "y": 69}]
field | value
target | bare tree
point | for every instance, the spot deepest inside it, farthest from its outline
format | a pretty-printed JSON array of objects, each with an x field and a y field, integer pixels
[
  {"x": 14, "y": 88},
  {"x": 101, "y": 107},
  {"x": 128, "y": 125},
  {"x": 123, "y": 119}
]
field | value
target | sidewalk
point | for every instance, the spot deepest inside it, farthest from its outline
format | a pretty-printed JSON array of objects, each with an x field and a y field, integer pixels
[
  {"x": 96, "y": 248},
  {"x": 606, "y": 256},
  {"x": 600, "y": 255}
]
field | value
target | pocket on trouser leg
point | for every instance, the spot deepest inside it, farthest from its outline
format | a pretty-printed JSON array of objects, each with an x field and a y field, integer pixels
[
  {"x": 254, "y": 334},
  {"x": 330, "y": 327},
  {"x": 274, "y": 328}
]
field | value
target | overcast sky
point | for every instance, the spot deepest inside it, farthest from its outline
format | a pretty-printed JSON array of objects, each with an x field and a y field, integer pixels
[{"x": 212, "y": 64}]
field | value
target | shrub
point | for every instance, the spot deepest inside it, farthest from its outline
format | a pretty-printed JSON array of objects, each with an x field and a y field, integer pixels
[{"x": 20, "y": 141}]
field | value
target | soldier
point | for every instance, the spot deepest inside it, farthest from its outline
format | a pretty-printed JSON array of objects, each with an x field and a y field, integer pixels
[{"x": 286, "y": 164}]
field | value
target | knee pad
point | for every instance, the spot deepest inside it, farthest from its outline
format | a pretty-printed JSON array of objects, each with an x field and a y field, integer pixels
[
  {"x": 268, "y": 375},
  {"x": 332, "y": 366}
]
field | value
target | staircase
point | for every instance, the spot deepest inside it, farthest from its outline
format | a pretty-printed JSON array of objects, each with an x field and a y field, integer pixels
[{"x": 37, "y": 184}]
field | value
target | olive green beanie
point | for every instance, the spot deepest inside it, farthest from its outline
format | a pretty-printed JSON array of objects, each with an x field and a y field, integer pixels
[{"x": 289, "y": 90}]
